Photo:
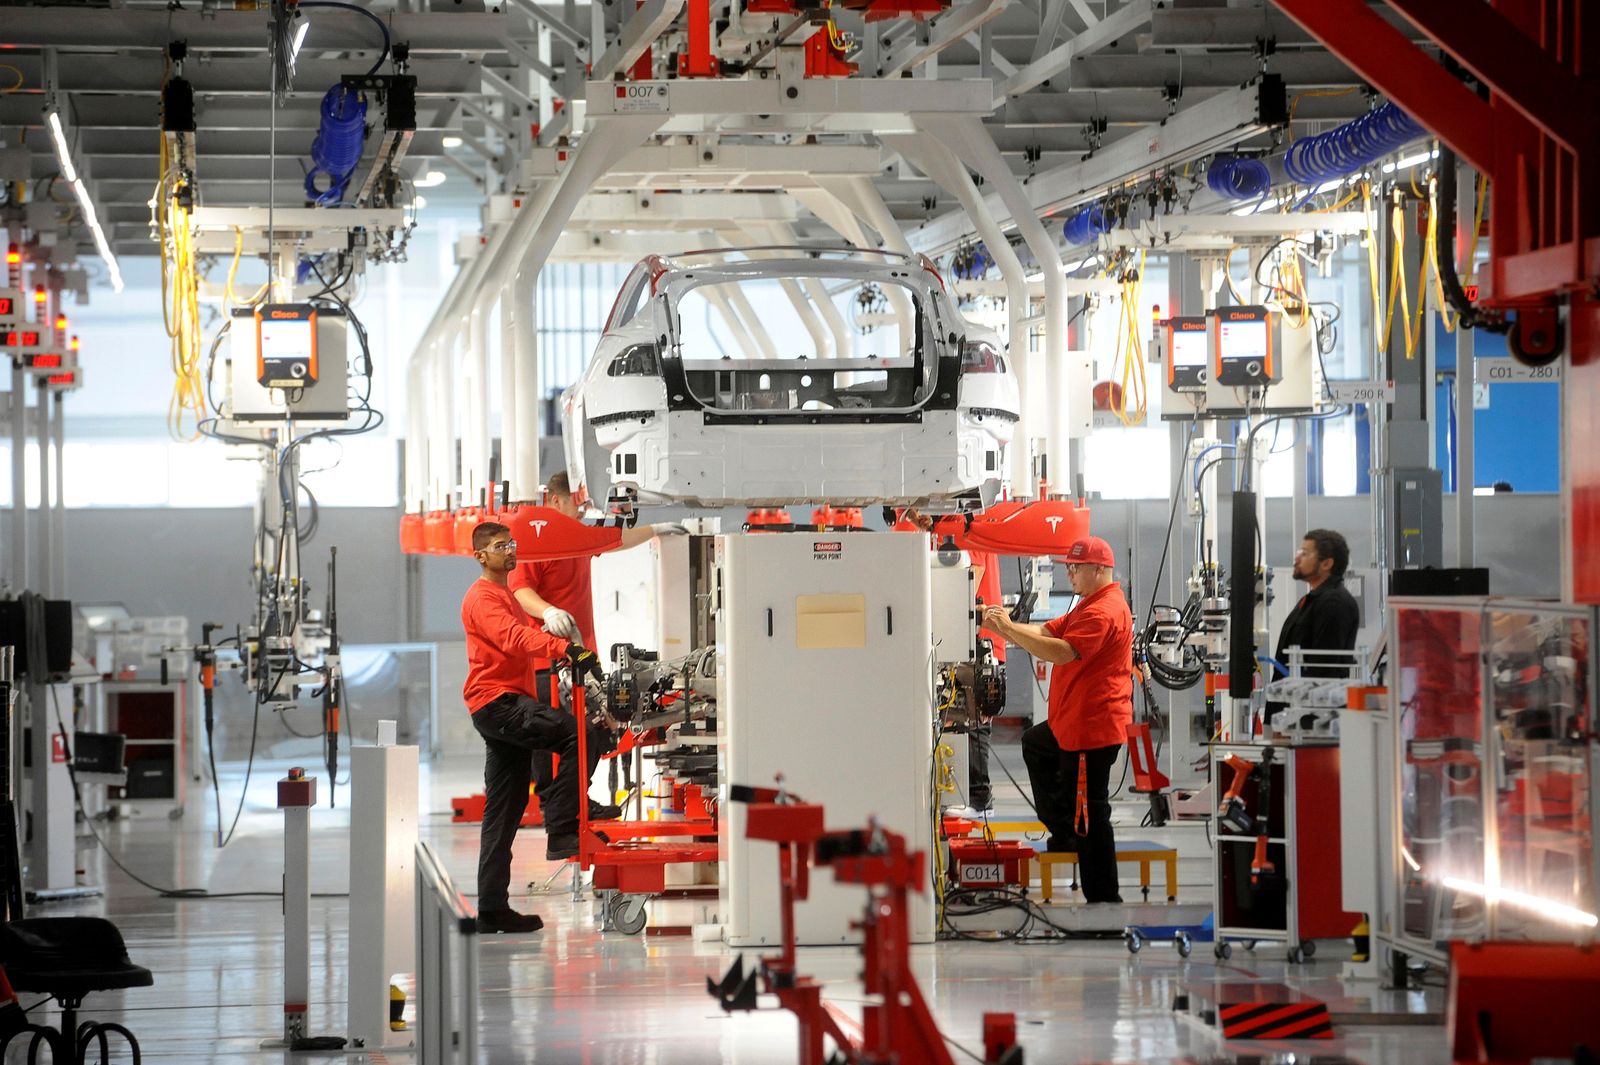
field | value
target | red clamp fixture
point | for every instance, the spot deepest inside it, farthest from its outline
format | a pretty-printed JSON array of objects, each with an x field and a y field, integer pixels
[{"x": 896, "y": 1024}]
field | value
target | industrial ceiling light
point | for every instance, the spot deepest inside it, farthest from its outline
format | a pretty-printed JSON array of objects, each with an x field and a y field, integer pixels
[
  {"x": 1555, "y": 911},
  {"x": 69, "y": 173},
  {"x": 419, "y": 202},
  {"x": 452, "y": 142},
  {"x": 300, "y": 32},
  {"x": 431, "y": 179}
]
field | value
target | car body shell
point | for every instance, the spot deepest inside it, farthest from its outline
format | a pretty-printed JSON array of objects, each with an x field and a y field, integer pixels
[{"x": 650, "y": 423}]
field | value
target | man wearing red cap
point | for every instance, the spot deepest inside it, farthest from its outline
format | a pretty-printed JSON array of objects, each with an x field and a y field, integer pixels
[{"x": 1070, "y": 756}]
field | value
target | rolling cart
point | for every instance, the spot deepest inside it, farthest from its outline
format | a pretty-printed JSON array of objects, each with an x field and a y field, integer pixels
[{"x": 1278, "y": 878}]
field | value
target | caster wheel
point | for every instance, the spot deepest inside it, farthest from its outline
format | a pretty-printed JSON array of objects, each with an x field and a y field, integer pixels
[
  {"x": 1296, "y": 955},
  {"x": 1183, "y": 943},
  {"x": 1308, "y": 948},
  {"x": 1135, "y": 941},
  {"x": 628, "y": 914},
  {"x": 1249, "y": 944},
  {"x": 1223, "y": 951}
]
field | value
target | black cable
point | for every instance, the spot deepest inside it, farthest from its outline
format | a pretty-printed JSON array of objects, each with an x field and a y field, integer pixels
[
  {"x": 341, "y": 5},
  {"x": 1172, "y": 518}
]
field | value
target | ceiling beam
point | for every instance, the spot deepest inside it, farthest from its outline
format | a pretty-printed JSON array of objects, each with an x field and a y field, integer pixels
[{"x": 121, "y": 28}]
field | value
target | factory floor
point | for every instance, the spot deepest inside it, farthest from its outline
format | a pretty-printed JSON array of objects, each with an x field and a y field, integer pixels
[{"x": 571, "y": 994}]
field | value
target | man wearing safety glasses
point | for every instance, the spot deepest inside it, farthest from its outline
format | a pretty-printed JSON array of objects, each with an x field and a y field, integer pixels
[{"x": 501, "y": 642}]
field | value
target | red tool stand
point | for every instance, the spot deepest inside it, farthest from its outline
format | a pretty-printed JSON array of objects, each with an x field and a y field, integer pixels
[
  {"x": 896, "y": 1024},
  {"x": 630, "y": 858}
]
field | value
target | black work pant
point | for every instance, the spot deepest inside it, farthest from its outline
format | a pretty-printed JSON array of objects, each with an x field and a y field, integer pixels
[
  {"x": 513, "y": 727},
  {"x": 600, "y": 741},
  {"x": 1053, "y": 775},
  {"x": 978, "y": 790}
]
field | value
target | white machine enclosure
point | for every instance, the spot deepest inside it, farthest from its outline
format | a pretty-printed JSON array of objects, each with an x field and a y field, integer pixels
[
  {"x": 653, "y": 421},
  {"x": 823, "y": 677},
  {"x": 953, "y": 586}
]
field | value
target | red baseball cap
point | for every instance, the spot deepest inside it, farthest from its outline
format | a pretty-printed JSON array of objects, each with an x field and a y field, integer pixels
[{"x": 1091, "y": 550}]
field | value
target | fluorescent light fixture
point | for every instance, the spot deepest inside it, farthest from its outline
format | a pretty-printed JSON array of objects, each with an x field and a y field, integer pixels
[
  {"x": 69, "y": 173},
  {"x": 419, "y": 202},
  {"x": 431, "y": 179},
  {"x": 92, "y": 219},
  {"x": 300, "y": 32},
  {"x": 452, "y": 142},
  {"x": 1484, "y": 490},
  {"x": 1555, "y": 911},
  {"x": 1408, "y": 161}
]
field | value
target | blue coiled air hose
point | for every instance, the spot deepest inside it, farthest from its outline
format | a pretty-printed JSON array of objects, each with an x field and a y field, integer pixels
[
  {"x": 1348, "y": 148},
  {"x": 337, "y": 148},
  {"x": 1238, "y": 177},
  {"x": 1087, "y": 224}
]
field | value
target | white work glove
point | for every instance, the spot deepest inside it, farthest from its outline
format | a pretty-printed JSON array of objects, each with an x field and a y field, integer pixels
[
  {"x": 669, "y": 528},
  {"x": 558, "y": 622}
]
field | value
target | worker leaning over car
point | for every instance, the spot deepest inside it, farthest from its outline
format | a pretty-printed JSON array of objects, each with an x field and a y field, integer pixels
[{"x": 1070, "y": 755}]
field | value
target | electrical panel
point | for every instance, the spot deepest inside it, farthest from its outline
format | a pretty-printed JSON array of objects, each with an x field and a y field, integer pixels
[
  {"x": 286, "y": 345},
  {"x": 1187, "y": 350},
  {"x": 320, "y": 395},
  {"x": 1245, "y": 343}
]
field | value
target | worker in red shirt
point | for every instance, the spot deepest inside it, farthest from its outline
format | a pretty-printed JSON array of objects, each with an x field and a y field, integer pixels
[
  {"x": 558, "y": 596},
  {"x": 501, "y": 642},
  {"x": 1070, "y": 756}
]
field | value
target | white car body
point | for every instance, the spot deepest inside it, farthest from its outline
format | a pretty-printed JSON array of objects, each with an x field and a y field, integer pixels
[{"x": 665, "y": 412}]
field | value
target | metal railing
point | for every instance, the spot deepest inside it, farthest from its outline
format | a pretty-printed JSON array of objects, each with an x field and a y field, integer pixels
[{"x": 447, "y": 966}]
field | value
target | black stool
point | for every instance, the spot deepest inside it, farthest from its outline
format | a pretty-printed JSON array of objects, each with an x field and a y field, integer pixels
[{"x": 68, "y": 958}]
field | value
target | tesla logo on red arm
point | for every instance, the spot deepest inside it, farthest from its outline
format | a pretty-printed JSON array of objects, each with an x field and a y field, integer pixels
[
  {"x": 538, "y": 527},
  {"x": 1054, "y": 522}
]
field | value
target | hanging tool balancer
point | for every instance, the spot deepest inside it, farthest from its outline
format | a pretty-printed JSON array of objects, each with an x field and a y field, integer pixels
[
  {"x": 1261, "y": 869},
  {"x": 1232, "y": 812}
]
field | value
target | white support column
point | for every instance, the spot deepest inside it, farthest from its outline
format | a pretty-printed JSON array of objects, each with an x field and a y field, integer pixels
[
  {"x": 510, "y": 413},
  {"x": 43, "y": 567},
  {"x": 417, "y": 450},
  {"x": 58, "y": 510},
  {"x": 966, "y": 136},
  {"x": 937, "y": 161},
  {"x": 863, "y": 198},
  {"x": 19, "y": 477},
  {"x": 475, "y": 429},
  {"x": 52, "y": 870},
  {"x": 297, "y": 793},
  {"x": 534, "y": 235},
  {"x": 383, "y": 844}
]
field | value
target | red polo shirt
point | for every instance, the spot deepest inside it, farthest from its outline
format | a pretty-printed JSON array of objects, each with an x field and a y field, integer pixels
[
  {"x": 564, "y": 583},
  {"x": 501, "y": 641},
  {"x": 989, "y": 592},
  {"x": 1091, "y": 697}
]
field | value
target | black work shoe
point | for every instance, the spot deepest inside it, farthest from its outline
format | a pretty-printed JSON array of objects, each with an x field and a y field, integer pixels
[
  {"x": 599, "y": 811},
  {"x": 561, "y": 847},
  {"x": 508, "y": 920}
]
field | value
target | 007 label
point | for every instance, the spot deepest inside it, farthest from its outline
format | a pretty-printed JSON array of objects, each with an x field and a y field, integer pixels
[{"x": 635, "y": 97}]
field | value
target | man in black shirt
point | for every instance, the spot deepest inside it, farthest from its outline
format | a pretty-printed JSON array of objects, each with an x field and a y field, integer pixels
[{"x": 1327, "y": 616}]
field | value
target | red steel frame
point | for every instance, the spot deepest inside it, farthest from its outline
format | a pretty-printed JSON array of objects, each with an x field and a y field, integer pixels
[
  {"x": 632, "y": 856},
  {"x": 896, "y": 1024},
  {"x": 1536, "y": 139}
]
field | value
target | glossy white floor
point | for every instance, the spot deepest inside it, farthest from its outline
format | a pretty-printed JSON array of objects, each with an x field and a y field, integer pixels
[{"x": 569, "y": 994}]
